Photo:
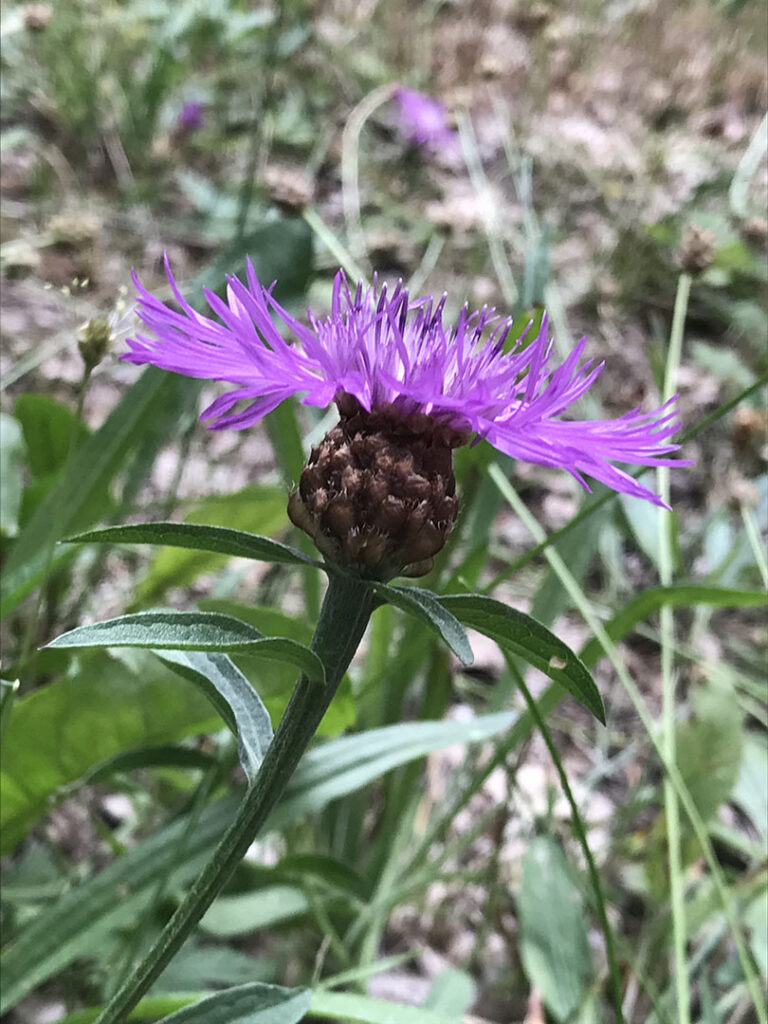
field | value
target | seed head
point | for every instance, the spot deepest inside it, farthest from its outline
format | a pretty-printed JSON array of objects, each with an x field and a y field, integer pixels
[{"x": 94, "y": 341}]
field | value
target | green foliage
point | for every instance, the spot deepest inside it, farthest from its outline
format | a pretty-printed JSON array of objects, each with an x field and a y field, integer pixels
[
  {"x": 366, "y": 834},
  {"x": 274, "y": 681},
  {"x": 191, "y": 537},
  {"x": 48, "y": 428},
  {"x": 77, "y": 498},
  {"x": 80, "y": 924},
  {"x": 258, "y": 507},
  {"x": 709, "y": 748},
  {"x": 101, "y": 705},
  {"x": 554, "y": 945},
  {"x": 190, "y": 631},
  {"x": 429, "y": 609},
  {"x": 247, "y": 1004},
  {"x": 522, "y": 635},
  {"x": 234, "y": 698}
]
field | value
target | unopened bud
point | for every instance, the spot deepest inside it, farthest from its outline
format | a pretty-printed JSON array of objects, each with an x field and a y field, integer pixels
[
  {"x": 94, "y": 341},
  {"x": 378, "y": 493},
  {"x": 697, "y": 250}
]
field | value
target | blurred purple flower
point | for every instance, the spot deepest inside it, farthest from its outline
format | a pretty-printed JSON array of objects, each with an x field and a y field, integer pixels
[
  {"x": 190, "y": 117},
  {"x": 387, "y": 350},
  {"x": 423, "y": 122}
]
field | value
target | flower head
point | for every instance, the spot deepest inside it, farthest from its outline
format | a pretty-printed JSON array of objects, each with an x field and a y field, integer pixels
[
  {"x": 190, "y": 117},
  {"x": 386, "y": 350},
  {"x": 423, "y": 121}
]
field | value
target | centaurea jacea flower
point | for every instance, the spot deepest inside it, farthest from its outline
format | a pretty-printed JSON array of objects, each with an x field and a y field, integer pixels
[{"x": 379, "y": 492}]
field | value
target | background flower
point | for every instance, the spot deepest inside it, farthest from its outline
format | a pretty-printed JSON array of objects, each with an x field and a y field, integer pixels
[{"x": 423, "y": 121}]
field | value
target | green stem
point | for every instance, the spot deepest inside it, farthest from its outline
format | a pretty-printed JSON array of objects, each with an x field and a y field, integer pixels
[
  {"x": 668, "y": 688},
  {"x": 581, "y": 835},
  {"x": 346, "y": 609},
  {"x": 583, "y": 605}
]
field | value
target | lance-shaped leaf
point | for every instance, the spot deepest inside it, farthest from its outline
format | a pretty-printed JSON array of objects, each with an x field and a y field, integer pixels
[
  {"x": 221, "y": 540},
  {"x": 428, "y": 607},
  {"x": 233, "y": 697},
  {"x": 191, "y": 631},
  {"x": 256, "y": 1003},
  {"x": 520, "y": 634}
]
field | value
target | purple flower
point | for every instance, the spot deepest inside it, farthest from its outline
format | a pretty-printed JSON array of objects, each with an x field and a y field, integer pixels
[
  {"x": 424, "y": 122},
  {"x": 388, "y": 350},
  {"x": 190, "y": 117}
]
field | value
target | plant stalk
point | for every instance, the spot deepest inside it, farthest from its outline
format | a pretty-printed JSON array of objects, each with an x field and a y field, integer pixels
[
  {"x": 343, "y": 618},
  {"x": 668, "y": 681}
]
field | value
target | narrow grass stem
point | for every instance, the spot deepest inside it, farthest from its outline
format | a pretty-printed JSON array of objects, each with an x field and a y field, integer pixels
[
  {"x": 343, "y": 619},
  {"x": 756, "y": 542},
  {"x": 350, "y": 165},
  {"x": 334, "y": 245},
  {"x": 668, "y": 687},
  {"x": 581, "y": 835},
  {"x": 582, "y": 604},
  {"x": 490, "y": 211}
]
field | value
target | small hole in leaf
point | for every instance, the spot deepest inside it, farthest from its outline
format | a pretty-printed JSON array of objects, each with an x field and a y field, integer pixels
[{"x": 556, "y": 662}]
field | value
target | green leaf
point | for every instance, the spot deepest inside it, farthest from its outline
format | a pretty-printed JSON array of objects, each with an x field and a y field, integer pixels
[
  {"x": 751, "y": 791},
  {"x": 430, "y": 608},
  {"x": 200, "y": 965},
  {"x": 151, "y": 1008},
  {"x": 259, "y": 507},
  {"x": 344, "y": 1006},
  {"x": 554, "y": 945},
  {"x": 709, "y": 748},
  {"x": 518, "y": 633},
  {"x": 329, "y": 871},
  {"x": 78, "y": 497},
  {"x": 651, "y": 600},
  {"x": 60, "y": 731},
  {"x": 81, "y": 922},
  {"x": 198, "y": 537},
  {"x": 48, "y": 427},
  {"x": 452, "y": 991},
  {"x": 11, "y": 457},
  {"x": 191, "y": 631},
  {"x": 260, "y": 1004},
  {"x": 285, "y": 438},
  {"x": 245, "y": 913},
  {"x": 235, "y": 699},
  {"x": 256, "y": 1003},
  {"x": 9, "y": 690},
  {"x": 350, "y": 762},
  {"x": 281, "y": 251},
  {"x": 167, "y": 755},
  {"x": 756, "y": 920},
  {"x": 275, "y": 681}
]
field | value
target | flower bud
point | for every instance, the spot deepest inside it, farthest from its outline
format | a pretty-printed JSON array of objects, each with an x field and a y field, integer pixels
[
  {"x": 379, "y": 492},
  {"x": 697, "y": 250},
  {"x": 94, "y": 341}
]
